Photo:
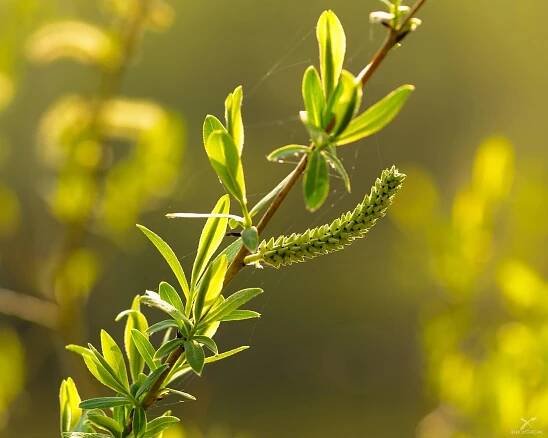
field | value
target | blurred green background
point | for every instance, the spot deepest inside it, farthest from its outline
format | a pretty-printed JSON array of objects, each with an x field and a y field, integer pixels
[{"x": 435, "y": 326}]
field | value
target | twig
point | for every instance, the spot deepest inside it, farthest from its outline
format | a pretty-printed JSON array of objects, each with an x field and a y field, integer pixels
[{"x": 29, "y": 308}]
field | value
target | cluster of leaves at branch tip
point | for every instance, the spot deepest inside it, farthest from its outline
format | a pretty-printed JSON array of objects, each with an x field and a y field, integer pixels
[
  {"x": 144, "y": 372},
  {"x": 286, "y": 250}
]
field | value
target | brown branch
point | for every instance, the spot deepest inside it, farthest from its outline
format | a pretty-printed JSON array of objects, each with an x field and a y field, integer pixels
[
  {"x": 237, "y": 264},
  {"x": 29, "y": 308}
]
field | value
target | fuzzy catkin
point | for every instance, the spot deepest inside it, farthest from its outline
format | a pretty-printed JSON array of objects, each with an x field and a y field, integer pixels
[{"x": 286, "y": 250}]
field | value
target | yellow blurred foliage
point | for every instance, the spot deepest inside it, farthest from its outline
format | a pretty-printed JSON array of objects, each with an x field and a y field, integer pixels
[
  {"x": 76, "y": 40},
  {"x": 486, "y": 336},
  {"x": 12, "y": 369}
]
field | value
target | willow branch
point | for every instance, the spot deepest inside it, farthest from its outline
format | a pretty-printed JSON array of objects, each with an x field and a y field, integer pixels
[
  {"x": 238, "y": 263},
  {"x": 29, "y": 308}
]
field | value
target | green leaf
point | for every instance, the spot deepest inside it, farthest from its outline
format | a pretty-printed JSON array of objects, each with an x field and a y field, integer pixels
[
  {"x": 104, "y": 422},
  {"x": 151, "y": 380},
  {"x": 233, "y": 117},
  {"x": 135, "y": 321},
  {"x": 195, "y": 356},
  {"x": 152, "y": 299},
  {"x": 145, "y": 348},
  {"x": 162, "y": 325},
  {"x": 170, "y": 257},
  {"x": 250, "y": 237},
  {"x": 211, "y": 124},
  {"x": 158, "y": 425},
  {"x": 183, "y": 369},
  {"x": 104, "y": 402},
  {"x": 375, "y": 117},
  {"x": 225, "y": 159},
  {"x": 232, "y": 303},
  {"x": 97, "y": 369},
  {"x": 332, "y": 43},
  {"x": 338, "y": 166},
  {"x": 168, "y": 347},
  {"x": 314, "y": 99},
  {"x": 114, "y": 357},
  {"x": 212, "y": 235},
  {"x": 344, "y": 103},
  {"x": 316, "y": 181},
  {"x": 185, "y": 395},
  {"x": 139, "y": 422},
  {"x": 287, "y": 151},
  {"x": 69, "y": 404},
  {"x": 239, "y": 315},
  {"x": 169, "y": 294},
  {"x": 210, "y": 286},
  {"x": 108, "y": 373},
  {"x": 84, "y": 435},
  {"x": 208, "y": 342}
]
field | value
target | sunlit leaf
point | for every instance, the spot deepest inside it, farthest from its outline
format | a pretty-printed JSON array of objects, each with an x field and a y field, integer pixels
[
  {"x": 225, "y": 159},
  {"x": 195, "y": 356},
  {"x": 208, "y": 342},
  {"x": 113, "y": 356},
  {"x": 210, "y": 239},
  {"x": 375, "y": 117},
  {"x": 139, "y": 422},
  {"x": 313, "y": 96},
  {"x": 239, "y": 315},
  {"x": 170, "y": 257},
  {"x": 69, "y": 404},
  {"x": 338, "y": 166},
  {"x": 211, "y": 124},
  {"x": 104, "y": 402},
  {"x": 233, "y": 117},
  {"x": 210, "y": 286},
  {"x": 290, "y": 150},
  {"x": 135, "y": 321},
  {"x": 233, "y": 302},
  {"x": 168, "y": 293},
  {"x": 332, "y": 44},
  {"x": 145, "y": 348},
  {"x": 316, "y": 181},
  {"x": 156, "y": 426},
  {"x": 104, "y": 422}
]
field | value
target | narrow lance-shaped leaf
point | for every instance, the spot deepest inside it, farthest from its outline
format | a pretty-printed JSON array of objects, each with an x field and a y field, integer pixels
[
  {"x": 233, "y": 117},
  {"x": 313, "y": 96},
  {"x": 139, "y": 422},
  {"x": 334, "y": 161},
  {"x": 104, "y": 402},
  {"x": 332, "y": 44},
  {"x": 375, "y": 117},
  {"x": 316, "y": 181},
  {"x": 135, "y": 320},
  {"x": 114, "y": 357},
  {"x": 145, "y": 348},
  {"x": 225, "y": 159},
  {"x": 69, "y": 404},
  {"x": 210, "y": 286},
  {"x": 211, "y": 124},
  {"x": 158, "y": 425},
  {"x": 291, "y": 150},
  {"x": 169, "y": 294},
  {"x": 212, "y": 235},
  {"x": 104, "y": 422},
  {"x": 170, "y": 257},
  {"x": 233, "y": 302},
  {"x": 195, "y": 356}
]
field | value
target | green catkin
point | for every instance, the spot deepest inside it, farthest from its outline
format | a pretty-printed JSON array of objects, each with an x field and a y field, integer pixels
[{"x": 296, "y": 248}]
